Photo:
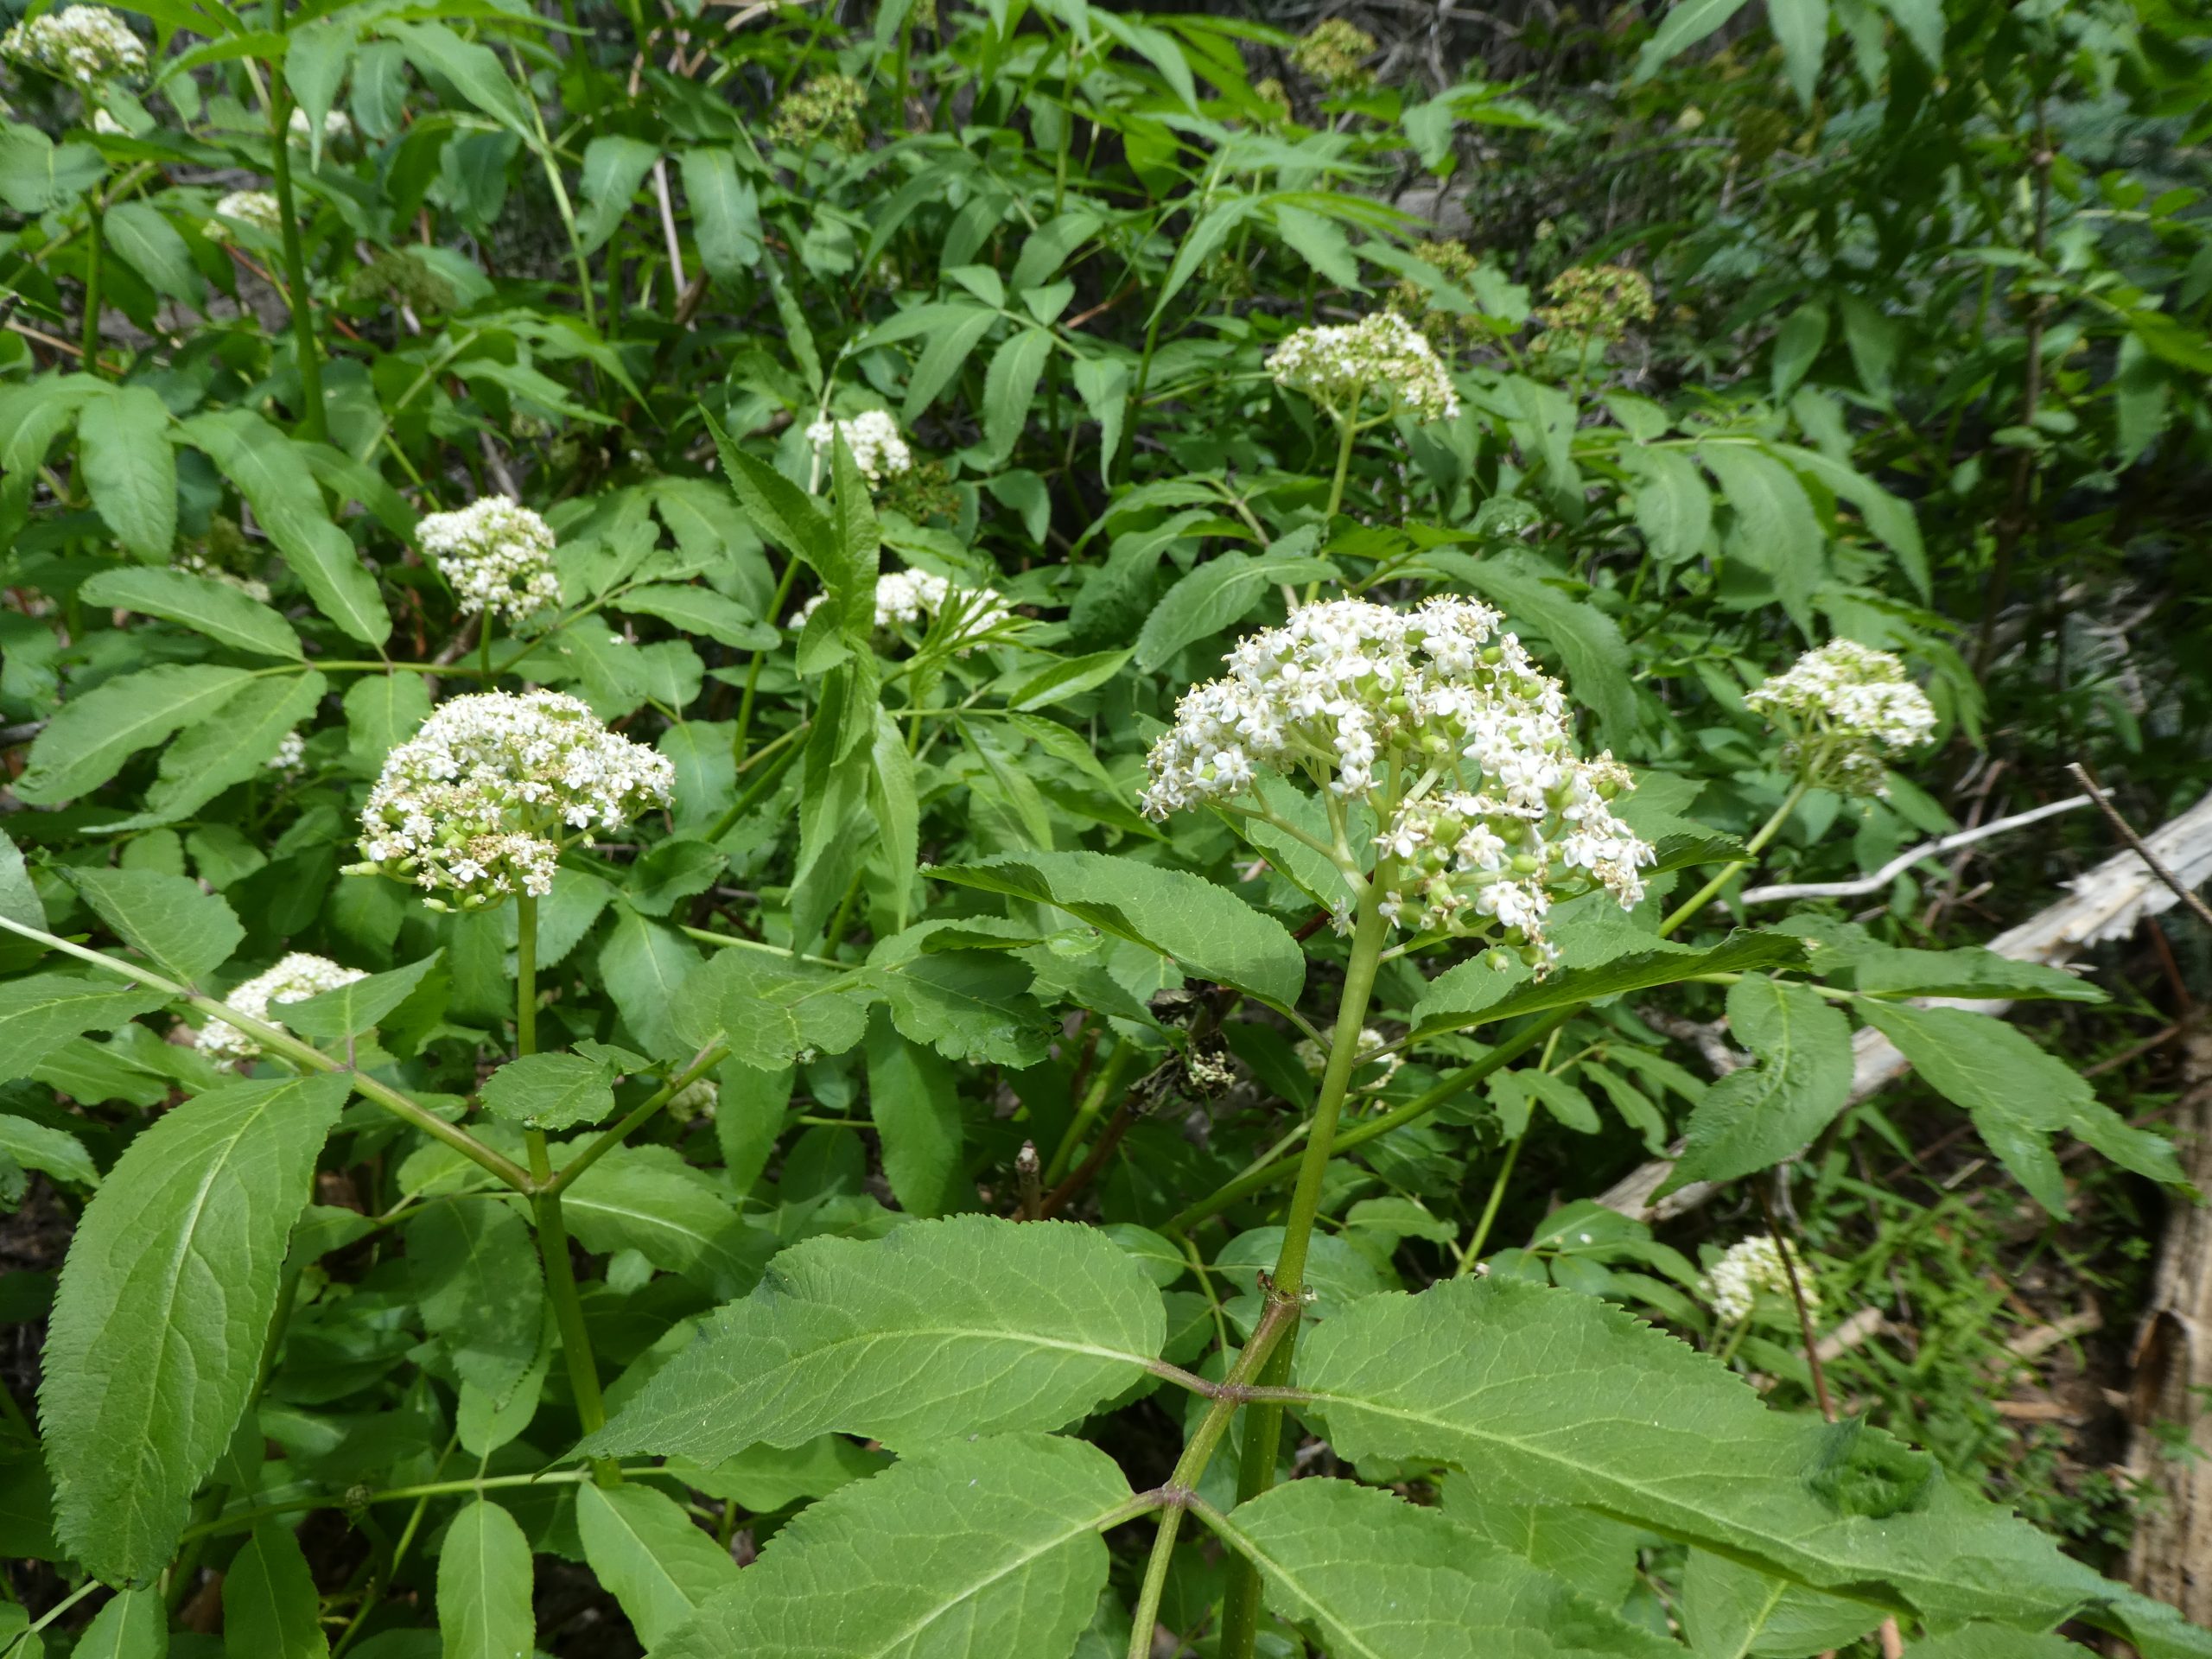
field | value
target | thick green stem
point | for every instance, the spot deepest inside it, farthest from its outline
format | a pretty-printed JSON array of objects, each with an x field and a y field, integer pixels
[
  {"x": 1276, "y": 1324},
  {"x": 1351, "y": 436},
  {"x": 1730, "y": 871},
  {"x": 545, "y": 1206},
  {"x": 702, "y": 1062},
  {"x": 95, "y": 246},
  {"x": 525, "y": 975},
  {"x": 1263, "y": 1431},
  {"x": 314, "y": 424}
]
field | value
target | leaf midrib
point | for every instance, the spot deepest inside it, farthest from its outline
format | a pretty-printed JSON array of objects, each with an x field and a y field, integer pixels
[{"x": 977, "y": 1586}]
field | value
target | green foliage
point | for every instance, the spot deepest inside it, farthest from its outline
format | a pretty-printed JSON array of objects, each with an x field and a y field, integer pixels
[{"x": 865, "y": 1156}]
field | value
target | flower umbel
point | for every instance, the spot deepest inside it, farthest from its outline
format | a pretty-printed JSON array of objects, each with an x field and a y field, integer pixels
[
  {"x": 1440, "y": 724},
  {"x": 294, "y": 979},
  {"x": 1335, "y": 53},
  {"x": 497, "y": 556},
  {"x": 1598, "y": 300},
  {"x": 84, "y": 44},
  {"x": 479, "y": 802},
  {"x": 1848, "y": 708},
  {"x": 828, "y": 107},
  {"x": 1382, "y": 356},
  {"x": 257, "y": 209},
  {"x": 872, "y": 436},
  {"x": 1753, "y": 1267}
]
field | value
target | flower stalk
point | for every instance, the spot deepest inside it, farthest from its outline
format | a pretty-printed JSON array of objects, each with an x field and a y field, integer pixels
[{"x": 314, "y": 422}]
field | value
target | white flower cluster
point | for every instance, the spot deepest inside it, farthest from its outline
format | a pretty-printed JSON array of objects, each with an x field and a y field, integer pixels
[
  {"x": 1752, "y": 1268},
  {"x": 477, "y": 802},
  {"x": 1338, "y": 366},
  {"x": 496, "y": 554},
  {"x": 290, "y": 753},
  {"x": 81, "y": 43},
  {"x": 255, "y": 208},
  {"x": 295, "y": 979},
  {"x": 1850, "y": 708},
  {"x": 912, "y": 597},
  {"x": 337, "y": 126},
  {"x": 872, "y": 436},
  {"x": 1443, "y": 725}
]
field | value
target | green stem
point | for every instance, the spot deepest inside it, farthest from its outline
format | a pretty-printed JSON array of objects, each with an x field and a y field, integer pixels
[
  {"x": 95, "y": 246},
  {"x": 1263, "y": 1432},
  {"x": 1279, "y": 1320},
  {"x": 314, "y": 424},
  {"x": 1474, "y": 1251},
  {"x": 1105, "y": 1086},
  {"x": 545, "y": 1206},
  {"x": 525, "y": 975},
  {"x": 1730, "y": 870},
  {"x": 759, "y": 789},
  {"x": 702, "y": 1062},
  {"x": 276, "y": 1040},
  {"x": 1344, "y": 470},
  {"x": 244, "y": 1519}
]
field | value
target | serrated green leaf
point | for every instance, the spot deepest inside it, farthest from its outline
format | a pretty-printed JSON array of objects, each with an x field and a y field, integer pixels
[
  {"x": 1687, "y": 22},
  {"x": 647, "y": 1554},
  {"x": 1775, "y": 530},
  {"x": 914, "y": 1102},
  {"x": 41, "y": 1147},
  {"x": 968, "y": 1005},
  {"x": 989, "y": 1547},
  {"x": 615, "y": 166},
  {"x": 331, "y": 1016},
  {"x": 2017, "y": 1095},
  {"x": 230, "y": 746},
  {"x": 1215, "y": 596},
  {"x": 947, "y": 352},
  {"x": 1674, "y": 508},
  {"x": 132, "y": 1624},
  {"x": 87, "y": 743},
  {"x": 123, "y": 445},
  {"x": 1759, "y": 1115},
  {"x": 648, "y": 1199},
  {"x": 700, "y": 610},
  {"x": 41, "y": 1012},
  {"x": 272, "y": 474},
  {"x": 143, "y": 239},
  {"x": 1473, "y": 993},
  {"x": 550, "y": 1091},
  {"x": 484, "y": 1585},
  {"x": 945, "y": 1328},
  {"x": 725, "y": 213},
  {"x": 166, "y": 918},
  {"x": 1069, "y": 678},
  {"x": 1523, "y": 1387},
  {"x": 1730, "y": 1611},
  {"x": 1010, "y": 389},
  {"x": 474, "y": 1267},
  {"x": 1378, "y": 1578},
  {"x": 1207, "y": 929},
  {"x": 382, "y": 711},
  {"x": 270, "y": 1609},
  {"x": 214, "y": 608},
  {"x": 162, "y": 1309},
  {"x": 644, "y": 965}
]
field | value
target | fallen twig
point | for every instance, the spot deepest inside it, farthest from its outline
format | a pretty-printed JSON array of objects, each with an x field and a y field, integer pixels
[{"x": 1905, "y": 860}]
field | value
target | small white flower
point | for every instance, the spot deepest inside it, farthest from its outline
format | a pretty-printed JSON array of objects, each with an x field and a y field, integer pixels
[
  {"x": 496, "y": 555},
  {"x": 1752, "y": 1268},
  {"x": 1384, "y": 354},
  {"x": 85, "y": 44},
  {"x": 107, "y": 126},
  {"x": 872, "y": 436},
  {"x": 289, "y": 754},
  {"x": 1850, "y": 708},
  {"x": 257, "y": 209},
  {"x": 295, "y": 979},
  {"x": 1315, "y": 1058},
  {"x": 479, "y": 801}
]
